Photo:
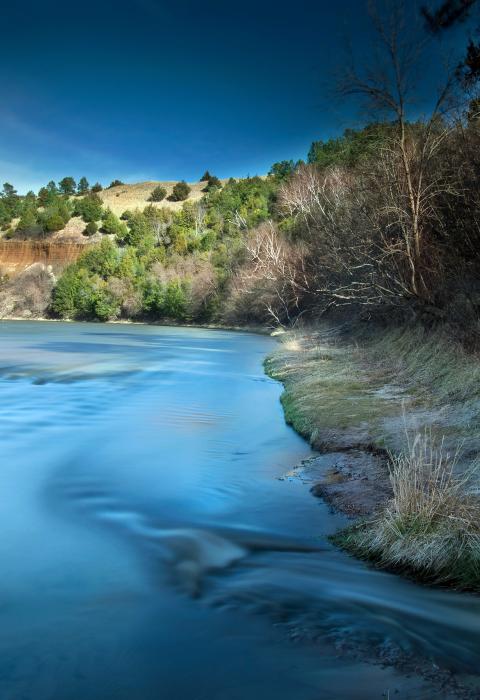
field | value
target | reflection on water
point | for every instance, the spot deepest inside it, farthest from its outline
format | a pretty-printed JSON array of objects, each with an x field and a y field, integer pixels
[{"x": 148, "y": 548}]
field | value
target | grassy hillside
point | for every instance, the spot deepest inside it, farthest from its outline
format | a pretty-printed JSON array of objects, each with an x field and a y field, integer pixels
[{"x": 136, "y": 196}]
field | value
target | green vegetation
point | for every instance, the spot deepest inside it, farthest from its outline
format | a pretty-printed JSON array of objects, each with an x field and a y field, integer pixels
[
  {"x": 162, "y": 263},
  {"x": 91, "y": 228},
  {"x": 180, "y": 192},
  {"x": 89, "y": 208},
  {"x": 212, "y": 184},
  {"x": 115, "y": 183},
  {"x": 83, "y": 186},
  {"x": 431, "y": 527},
  {"x": 158, "y": 194},
  {"x": 350, "y": 149},
  {"x": 67, "y": 185},
  {"x": 112, "y": 225}
]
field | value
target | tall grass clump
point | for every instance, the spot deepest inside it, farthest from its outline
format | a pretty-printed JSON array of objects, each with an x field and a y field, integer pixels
[{"x": 431, "y": 526}]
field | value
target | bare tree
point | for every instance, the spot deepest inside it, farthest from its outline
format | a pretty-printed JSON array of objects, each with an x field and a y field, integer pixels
[{"x": 386, "y": 86}]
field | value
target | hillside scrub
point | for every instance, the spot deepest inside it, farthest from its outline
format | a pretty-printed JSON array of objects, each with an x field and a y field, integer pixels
[
  {"x": 381, "y": 223},
  {"x": 158, "y": 194},
  {"x": 180, "y": 191}
]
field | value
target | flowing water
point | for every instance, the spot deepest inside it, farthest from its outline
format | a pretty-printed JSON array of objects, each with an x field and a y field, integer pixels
[{"x": 149, "y": 548}]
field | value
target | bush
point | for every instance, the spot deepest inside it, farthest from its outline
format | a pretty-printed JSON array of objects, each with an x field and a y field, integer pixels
[
  {"x": 72, "y": 297},
  {"x": 97, "y": 187},
  {"x": 212, "y": 183},
  {"x": 166, "y": 300},
  {"x": 112, "y": 225},
  {"x": 205, "y": 177},
  {"x": 104, "y": 305},
  {"x": 158, "y": 194},
  {"x": 54, "y": 222},
  {"x": 28, "y": 223},
  {"x": 89, "y": 208},
  {"x": 91, "y": 229},
  {"x": 139, "y": 231},
  {"x": 175, "y": 300},
  {"x": 115, "y": 183},
  {"x": 180, "y": 192},
  {"x": 101, "y": 259}
]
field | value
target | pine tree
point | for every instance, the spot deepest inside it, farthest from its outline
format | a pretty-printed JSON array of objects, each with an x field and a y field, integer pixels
[{"x": 83, "y": 186}]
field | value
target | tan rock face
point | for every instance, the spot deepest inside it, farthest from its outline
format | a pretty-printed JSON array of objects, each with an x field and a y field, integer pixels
[{"x": 17, "y": 256}]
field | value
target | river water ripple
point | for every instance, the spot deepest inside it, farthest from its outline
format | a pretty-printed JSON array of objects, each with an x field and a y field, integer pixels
[{"x": 149, "y": 549}]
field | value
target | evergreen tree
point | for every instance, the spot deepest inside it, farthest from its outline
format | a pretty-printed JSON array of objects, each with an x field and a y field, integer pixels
[
  {"x": 83, "y": 186},
  {"x": 67, "y": 185}
]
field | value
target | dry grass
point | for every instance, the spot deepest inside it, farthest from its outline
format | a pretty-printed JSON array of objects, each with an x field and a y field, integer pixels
[
  {"x": 136, "y": 196},
  {"x": 431, "y": 527},
  {"x": 339, "y": 393}
]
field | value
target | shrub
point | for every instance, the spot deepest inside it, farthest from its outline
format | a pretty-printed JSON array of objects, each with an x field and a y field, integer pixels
[
  {"x": 101, "y": 259},
  {"x": 97, "y": 187},
  {"x": 28, "y": 223},
  {"x": 104, "y": 305},
  {"x": 205, "y": 177},
  {"x": 212, "y": 183},
  {"x": 115, "y": 183},
  {"x": 112, "y": 225},
  {"x": 91, "y": 229},
  {"x": 89, "y": 208},
  {"x": 175, "y": 300},
  {"x": 158, "y": 194},
  {"x": 54, "y": 222},
  {"x": 72, "y": 297},
  {"x": 166, "y": 300},
  {"x": 180, "y": 192},
  {"x": 139, "y": 231}
]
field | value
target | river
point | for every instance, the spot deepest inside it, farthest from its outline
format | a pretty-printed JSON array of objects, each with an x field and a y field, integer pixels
[{"x": 151, "y": 549}]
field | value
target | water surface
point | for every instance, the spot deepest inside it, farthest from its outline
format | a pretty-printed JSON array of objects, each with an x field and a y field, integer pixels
[{"x": 149, "y": 548}]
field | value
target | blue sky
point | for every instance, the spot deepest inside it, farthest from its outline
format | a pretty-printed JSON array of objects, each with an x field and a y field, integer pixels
[{"x": 164, "y": 90}]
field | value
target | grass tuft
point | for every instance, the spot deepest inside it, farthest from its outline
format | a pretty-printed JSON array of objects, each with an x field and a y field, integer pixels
[{"x": 431, "y": 527}]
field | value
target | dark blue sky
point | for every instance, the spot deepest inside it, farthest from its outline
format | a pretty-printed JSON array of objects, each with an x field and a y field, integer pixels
[{"x": 163, "y": 90}]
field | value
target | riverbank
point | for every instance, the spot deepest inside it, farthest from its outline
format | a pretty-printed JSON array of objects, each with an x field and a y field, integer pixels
[
  {"x": 400, "y": 413},
  {"x": 260, "y": 330}
]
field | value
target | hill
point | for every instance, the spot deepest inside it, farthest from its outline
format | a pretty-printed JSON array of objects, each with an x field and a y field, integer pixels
[{"x": 136, "y": 196}]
